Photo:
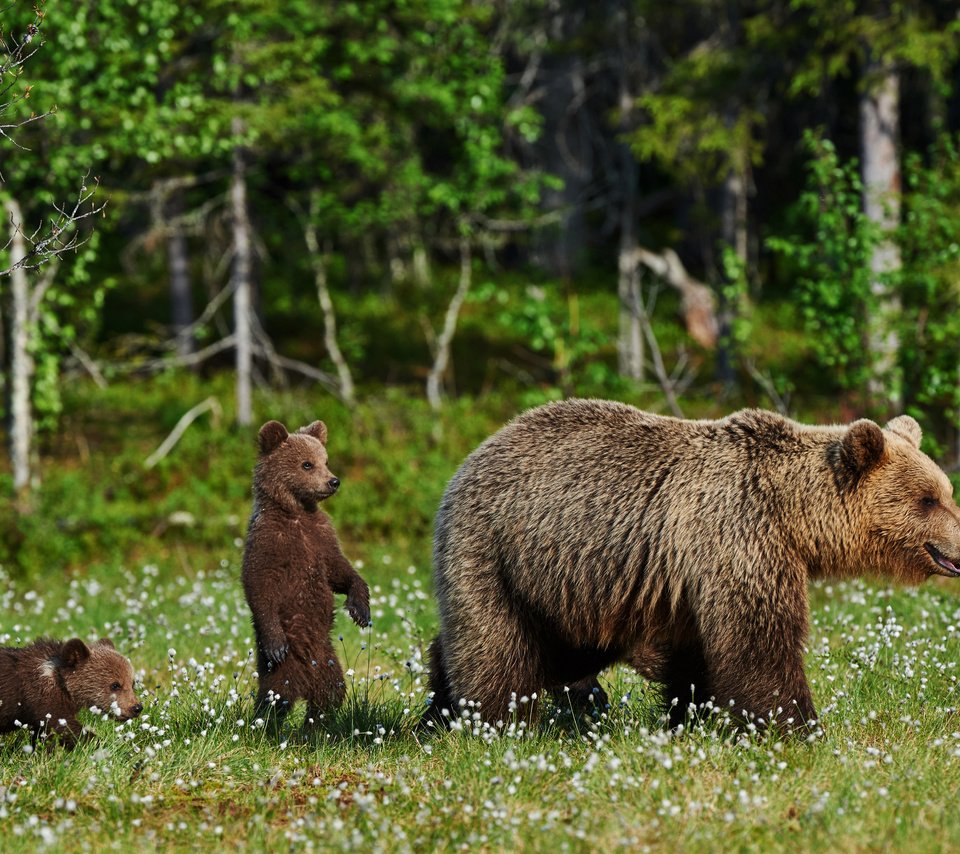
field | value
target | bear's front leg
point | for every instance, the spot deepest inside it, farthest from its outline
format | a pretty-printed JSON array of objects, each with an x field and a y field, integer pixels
[
  {"x": 67, "y": 730},
  {"x": 764, "y": 686},
  {"x": 273, "y": 642},
  {"x": 344, "y": 579}
]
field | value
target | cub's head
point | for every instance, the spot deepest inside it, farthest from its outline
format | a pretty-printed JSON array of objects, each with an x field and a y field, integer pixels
[
  {"x": 292, "y": 467},
  {"x": 97, "y": 675},
  {"x": 912, "y": 523}
]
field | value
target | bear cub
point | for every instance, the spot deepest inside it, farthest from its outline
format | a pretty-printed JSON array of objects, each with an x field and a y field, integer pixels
[
  {"x": 292, "y": 566},
  {"x": 44, "y": 685}
]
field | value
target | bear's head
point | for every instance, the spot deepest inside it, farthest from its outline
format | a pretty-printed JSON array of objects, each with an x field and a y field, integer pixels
[
  {"x": 292, "y": 467},
  {"x": 909, "y": 523},
  {"x": 97, "y": 675}
]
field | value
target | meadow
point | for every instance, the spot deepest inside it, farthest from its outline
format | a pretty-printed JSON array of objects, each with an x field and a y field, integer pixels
[{"x": 152, "y": 557}]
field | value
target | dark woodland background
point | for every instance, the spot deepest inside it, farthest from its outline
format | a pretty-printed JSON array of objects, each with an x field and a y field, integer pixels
[{"x": 414, "y": 219}]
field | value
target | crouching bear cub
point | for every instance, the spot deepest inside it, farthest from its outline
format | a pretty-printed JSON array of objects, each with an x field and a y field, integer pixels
[
  {"x": 44, "y": 685},
  {"x": 588, "y": 532},
  {"x": 292, "y": 566}
]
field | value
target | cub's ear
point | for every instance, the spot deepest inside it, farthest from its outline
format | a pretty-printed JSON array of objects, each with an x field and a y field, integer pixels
[
  {"x": 74, "y": 652},
  {"x": 907, "y": 428},
  {"x": 106, "y": 642},
  {"x": 271, "y": 436},
  {"x": 862, "y": 446},
  {"x": 317, "y": 429}
]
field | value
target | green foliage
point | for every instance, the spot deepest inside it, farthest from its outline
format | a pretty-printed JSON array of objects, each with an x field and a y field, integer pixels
[
  {"x": 849, "y": 35},
  {"x": 562, "y": 329},
  {"x": 831, "y": 260},
  {"x": 928, "y": 237}
]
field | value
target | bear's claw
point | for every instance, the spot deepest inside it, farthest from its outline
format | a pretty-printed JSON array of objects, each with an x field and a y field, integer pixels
[
  {"x": 276, "y": 654},
  {"x": 359, "y": 612}
]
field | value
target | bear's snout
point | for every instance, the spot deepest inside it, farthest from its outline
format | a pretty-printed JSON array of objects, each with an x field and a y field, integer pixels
[
  {"x": 334, "y": 483},
  {"x": 135, "y": 710}
]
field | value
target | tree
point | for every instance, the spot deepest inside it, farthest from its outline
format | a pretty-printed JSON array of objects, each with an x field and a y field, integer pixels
[{"x": 877, "y": 41}]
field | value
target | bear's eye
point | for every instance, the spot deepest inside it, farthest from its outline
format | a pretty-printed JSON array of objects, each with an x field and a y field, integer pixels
[
  {"x": 307, "y": 465},
  {"x": 929, "y": 501},
  {"x": 115, "y": 686}
]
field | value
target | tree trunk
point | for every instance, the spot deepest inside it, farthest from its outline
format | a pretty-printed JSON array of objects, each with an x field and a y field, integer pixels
[
  {"x": 181, "y": 297},
  {"x": 879, "y": 124},
  {"x": 319, "y": 261},
  {"x": 241, "y": 273},
  {"x": 442, "y": 356},
  {"x": 630, "y": 353},
  {"x": 21, "y": 361},
  {"x": 733, "y": 226},
  {"x": 564, "y": 152}
]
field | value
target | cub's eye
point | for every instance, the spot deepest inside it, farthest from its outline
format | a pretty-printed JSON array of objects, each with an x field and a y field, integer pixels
[
  {"x": 115, "y": 686},
  {"x": 929, "y": 501},
  {"x": 307, "y": 465}
]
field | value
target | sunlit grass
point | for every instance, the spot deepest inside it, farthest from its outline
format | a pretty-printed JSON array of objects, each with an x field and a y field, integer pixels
[{"x": 197, "y": 770}]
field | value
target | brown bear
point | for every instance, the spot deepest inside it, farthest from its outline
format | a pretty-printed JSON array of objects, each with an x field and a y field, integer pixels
[
  {"x": 292, "y": 566},
  {"x": 44, "y": 685},
  {"x": 587, "y": 532}
]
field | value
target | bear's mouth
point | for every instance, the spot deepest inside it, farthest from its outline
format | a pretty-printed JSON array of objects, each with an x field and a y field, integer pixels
[{"x": 951, "y": 568}]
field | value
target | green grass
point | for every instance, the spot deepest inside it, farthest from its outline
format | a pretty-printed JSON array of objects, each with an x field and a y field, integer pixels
[
  {"x": 196, "y": 771},
  {"x": 100, "y": 557}
]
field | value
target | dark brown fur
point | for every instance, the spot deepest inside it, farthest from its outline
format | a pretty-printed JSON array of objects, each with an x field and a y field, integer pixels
[
  {"x": 292, "y": 566},
  {"x": 44, "y": 685},
  {"x": 589, "y": 532}
]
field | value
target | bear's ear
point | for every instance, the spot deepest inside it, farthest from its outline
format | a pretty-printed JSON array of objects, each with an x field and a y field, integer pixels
[
  {"x": 907, "y": 428},
  {"x": 862, "y": 446},
  {"x": 74, "y": 652},
  {"x": 106, "y": 642},
  {"x": 317, "y": 429},
  {"x": 271, "y": 436}
]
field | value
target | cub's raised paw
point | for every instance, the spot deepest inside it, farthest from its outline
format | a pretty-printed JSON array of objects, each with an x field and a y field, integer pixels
[{"x": 359, "y": 612}]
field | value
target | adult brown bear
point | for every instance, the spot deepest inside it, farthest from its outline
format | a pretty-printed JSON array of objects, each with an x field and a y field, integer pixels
[{"x": 588, "y": 532}]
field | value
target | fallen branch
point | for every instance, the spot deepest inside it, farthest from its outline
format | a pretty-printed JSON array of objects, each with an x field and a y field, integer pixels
[
  {"x": 211, "y": 404},
  {"x": 88, "y": 365},
  {"x": 698, "y": 303}
]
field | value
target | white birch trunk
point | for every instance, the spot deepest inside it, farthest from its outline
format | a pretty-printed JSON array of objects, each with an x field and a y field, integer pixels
[
  {"x": 879, "y": 125},
  {"x": 630, "y": 342},
  {"x": 319, "y": 262},
  {"x": 242, "y": 302},
  {"x": 21, "y": 361},
  {"x": 441, "y": 358}
]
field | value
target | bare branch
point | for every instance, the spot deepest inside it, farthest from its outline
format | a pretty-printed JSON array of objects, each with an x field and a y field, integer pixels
[
  {"x": 698, "y": 301},
  {"x": 59, "y": 236},
  {"x": 211, "y": 404}
]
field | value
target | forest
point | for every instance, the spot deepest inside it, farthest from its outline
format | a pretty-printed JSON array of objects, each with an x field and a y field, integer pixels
[{"x": 415, "y": 219}]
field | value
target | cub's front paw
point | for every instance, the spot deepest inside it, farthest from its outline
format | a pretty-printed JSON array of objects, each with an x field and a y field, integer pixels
[
  {"x": 276, "y": 653},
  {"x": 359, "y": 611}
]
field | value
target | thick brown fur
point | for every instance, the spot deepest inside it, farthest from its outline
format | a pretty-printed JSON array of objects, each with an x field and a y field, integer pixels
[
  {"x": 588, "y": 532},
  {"x": 44, "y": 685},
  {"x": 292, "y": 566}
]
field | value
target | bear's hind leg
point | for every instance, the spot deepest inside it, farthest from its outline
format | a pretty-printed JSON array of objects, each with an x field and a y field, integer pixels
[
  {"x": 686, "y": 683},
  {"x": 497, "y": 665},
  {"x": 582, "y": 696},
  {"x": 325, "y": 689},
  {"x": 439, "y": 686},
  {"x": 276, "y": 693}
]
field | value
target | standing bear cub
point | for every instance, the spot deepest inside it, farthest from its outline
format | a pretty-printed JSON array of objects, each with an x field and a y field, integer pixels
[
  {"x": 44, "y": 685},
  {"x": 292, "y": 566},
  {"x": 588, "y": 532}
]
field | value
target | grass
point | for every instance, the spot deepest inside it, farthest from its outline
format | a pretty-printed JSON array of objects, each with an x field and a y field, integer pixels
[{"x": 196, "y": 772}]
